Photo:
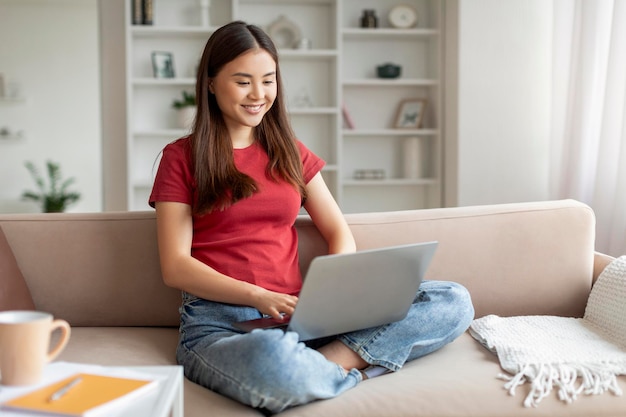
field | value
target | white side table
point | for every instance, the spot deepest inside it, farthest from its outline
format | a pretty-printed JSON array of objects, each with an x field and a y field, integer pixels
[{"x": 164, "y": 401}]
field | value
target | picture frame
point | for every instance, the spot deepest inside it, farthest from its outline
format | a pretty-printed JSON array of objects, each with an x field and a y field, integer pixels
[
  {"x": 410, "y": 114},
  {"x": 163, "y": 64}
]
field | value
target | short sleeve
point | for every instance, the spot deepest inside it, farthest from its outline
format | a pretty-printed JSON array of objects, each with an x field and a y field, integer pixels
[
  {"x": 174, "y": 179},
  {"x": 311, "y": 163}
]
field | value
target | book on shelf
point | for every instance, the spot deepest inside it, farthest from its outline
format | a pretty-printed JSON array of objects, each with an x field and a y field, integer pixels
[
  {"x": 137, "y": 12},
  {"x": 347, "y": 118},
  {"x": 142, "y": 12},
  {"x": 148, "y": 12},
  {"x": 81, "y": 394}
]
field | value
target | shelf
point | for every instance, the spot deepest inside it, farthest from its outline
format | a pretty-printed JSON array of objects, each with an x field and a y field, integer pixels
[
  {"x": 390, "y": 132},
  {"x": 308, "y": 53},
  {"x": 286, "y": 2},
  {"x": 164, "y": 81},
  {"x": 148, "y": 31},
  {"x": 390, "y": 181},
  {"x": 387, "y": 32},
  {"x": 314, "y": 110},
  {"x": 175, "y": 133},
  {"x": 396, "y": 82}
]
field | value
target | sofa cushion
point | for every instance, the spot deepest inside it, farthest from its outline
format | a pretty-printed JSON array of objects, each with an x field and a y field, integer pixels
[
  {"x": 457, "y": 380},
  {"x": 14, "y": 293}
]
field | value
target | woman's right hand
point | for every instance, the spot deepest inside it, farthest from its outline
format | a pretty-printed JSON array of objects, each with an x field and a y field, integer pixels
[{"x": 275, "y": 304}]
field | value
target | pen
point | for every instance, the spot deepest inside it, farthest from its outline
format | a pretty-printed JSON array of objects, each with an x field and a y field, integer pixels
[{"x": 64, "y": 389}]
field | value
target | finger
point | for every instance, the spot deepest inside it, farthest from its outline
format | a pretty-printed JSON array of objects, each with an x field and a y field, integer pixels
[{"x": 275, "y": 313}]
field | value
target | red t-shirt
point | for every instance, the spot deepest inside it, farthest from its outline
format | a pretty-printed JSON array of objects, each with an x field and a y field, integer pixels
[{"x": 253, "y": 240}]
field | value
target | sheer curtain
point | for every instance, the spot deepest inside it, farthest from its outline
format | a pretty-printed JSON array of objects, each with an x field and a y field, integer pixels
[{"x": 588, "y": 148}]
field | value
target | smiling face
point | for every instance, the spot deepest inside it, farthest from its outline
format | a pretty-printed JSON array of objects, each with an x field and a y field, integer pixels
[{"x": 245, "y": 89}]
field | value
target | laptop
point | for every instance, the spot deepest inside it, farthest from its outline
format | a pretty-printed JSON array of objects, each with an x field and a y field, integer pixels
[{"x": 347, "y": 292}]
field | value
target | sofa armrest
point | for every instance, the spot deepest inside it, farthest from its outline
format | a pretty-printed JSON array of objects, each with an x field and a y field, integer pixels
[{"x": 600, "y": 261}]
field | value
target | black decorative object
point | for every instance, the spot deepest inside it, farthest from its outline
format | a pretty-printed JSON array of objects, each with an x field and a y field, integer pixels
[
  {"x": 388, "y": 70},
  {"x": 369, "y": 19}
]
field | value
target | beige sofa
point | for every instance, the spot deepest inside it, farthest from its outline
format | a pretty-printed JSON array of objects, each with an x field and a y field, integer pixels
[{"x": 101, "y": 273}]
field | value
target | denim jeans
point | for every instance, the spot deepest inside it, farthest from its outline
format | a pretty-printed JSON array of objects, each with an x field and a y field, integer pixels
[{"x": 271, "y": 370}]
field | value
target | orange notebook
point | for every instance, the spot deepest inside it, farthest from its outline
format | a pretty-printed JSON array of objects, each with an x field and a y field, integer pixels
[{"x": 91, "y": 394}]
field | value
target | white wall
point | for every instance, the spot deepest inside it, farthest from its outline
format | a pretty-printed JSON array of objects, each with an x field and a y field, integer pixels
[
  {"x": 504, "y": 79},
  {"x": 50, "y": 49}
]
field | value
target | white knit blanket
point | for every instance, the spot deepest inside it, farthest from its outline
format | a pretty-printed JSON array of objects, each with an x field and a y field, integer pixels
[{"x": 571, "y": 355}]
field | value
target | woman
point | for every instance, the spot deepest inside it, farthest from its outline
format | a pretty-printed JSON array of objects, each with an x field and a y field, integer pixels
[{"x": 226, "y": 200}]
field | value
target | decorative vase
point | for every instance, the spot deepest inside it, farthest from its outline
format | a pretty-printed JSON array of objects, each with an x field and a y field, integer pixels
[
  {"x": 414, "y": 155},
  {"x": 369, "y": 19},
  {"x": 205, "y": 19},
  {"x": 186, "y": 116}
]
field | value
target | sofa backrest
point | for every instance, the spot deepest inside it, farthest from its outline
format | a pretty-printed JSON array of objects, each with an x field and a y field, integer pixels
[
  {"x": 515, "y": 259},
  {"x": 93, "y": 269},
  {"x": 102, "y": 269}
]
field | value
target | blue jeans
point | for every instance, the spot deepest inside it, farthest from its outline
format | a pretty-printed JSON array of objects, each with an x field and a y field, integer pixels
[{"x": 271, "y": 370}]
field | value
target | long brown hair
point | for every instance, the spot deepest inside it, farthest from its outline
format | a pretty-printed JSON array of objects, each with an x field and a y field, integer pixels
[{"x": 219, "y": 183}]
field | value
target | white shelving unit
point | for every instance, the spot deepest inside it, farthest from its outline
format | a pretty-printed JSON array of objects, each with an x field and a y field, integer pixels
[
  {"x": 372, "y": 102},
  {"x": 338, "y": 69}
]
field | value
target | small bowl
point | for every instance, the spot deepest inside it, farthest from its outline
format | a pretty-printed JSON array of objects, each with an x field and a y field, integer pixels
[{"x": 388, "y": 71}]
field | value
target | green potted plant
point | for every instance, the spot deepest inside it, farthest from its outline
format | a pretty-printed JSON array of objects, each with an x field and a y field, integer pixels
[
  {"x": 54, "y": 197},
  {"x": 186, "y": 108}
]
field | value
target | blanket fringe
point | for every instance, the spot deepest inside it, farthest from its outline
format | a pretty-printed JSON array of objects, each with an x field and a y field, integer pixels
[{"x": 594, "y": 380}]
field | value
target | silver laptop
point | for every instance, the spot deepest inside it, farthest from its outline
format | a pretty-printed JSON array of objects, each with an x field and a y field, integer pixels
[{"x": 347, "y": 292}]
